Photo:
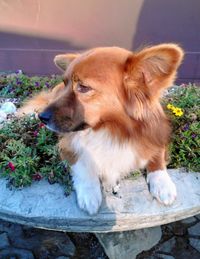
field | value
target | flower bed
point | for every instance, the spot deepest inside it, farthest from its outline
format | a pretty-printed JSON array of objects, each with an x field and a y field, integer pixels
[
  {"x": 182, "y": 104},
  {"x": 28, "y": 153},
  {"x": 28, "y": 150}
]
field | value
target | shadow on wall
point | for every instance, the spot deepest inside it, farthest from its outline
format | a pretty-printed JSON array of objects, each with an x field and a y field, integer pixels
[
  {"x": 172, "y": 21},
  {"x": 33, "y": 55}
]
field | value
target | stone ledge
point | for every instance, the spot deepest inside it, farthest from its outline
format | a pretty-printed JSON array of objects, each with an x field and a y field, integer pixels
[{"x": 45, "y": 206}]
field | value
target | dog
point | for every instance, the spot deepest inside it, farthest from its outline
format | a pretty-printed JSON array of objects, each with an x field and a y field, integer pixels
[{"x": 109, "y": 118}]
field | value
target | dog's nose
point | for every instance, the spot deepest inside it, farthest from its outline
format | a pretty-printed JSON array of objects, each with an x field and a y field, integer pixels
[{"x": 45, "y": 116}]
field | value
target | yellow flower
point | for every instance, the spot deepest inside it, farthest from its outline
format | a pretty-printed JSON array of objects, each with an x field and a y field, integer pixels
[
  {"x": 179, "y": 113},
  {"x": 178, "y": 109},
  {"x": 174, "y": 109},
  {"x": 169, "y": 106}
]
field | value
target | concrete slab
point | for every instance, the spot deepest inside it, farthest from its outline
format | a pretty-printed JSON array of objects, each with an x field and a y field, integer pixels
[
  {"x": 45, "y": 206},
  {"x": 129, "y": 244}
]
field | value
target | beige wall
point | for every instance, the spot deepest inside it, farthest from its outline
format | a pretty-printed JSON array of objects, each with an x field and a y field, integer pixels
[
  {"x": 32, "y": 32},
  {"x": 86, "y": 23}
]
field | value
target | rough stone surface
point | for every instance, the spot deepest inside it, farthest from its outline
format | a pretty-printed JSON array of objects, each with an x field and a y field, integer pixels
[
  {"x": 194, "y": 242},
  {"x": 162, "y": 256},
  {"x": 16, "y": 253},
  {"x": 44, "y": 205},
  {"x": 87, "y": 245},
  {"x": 4, "y": 242},
  {"x": 190, "y": 220},
  {"x": 194, "y": 230},
  {"x": 62, "y": 257},
  {"x": 177, "y": 228},
  {"x": 167, "y": 246},
  {"x": 198, "y": 216},
  {"x": 176, "y": 242},
  {"x": 40, "y": 241},
  {"x": 46, "y": 244},
  {"x": 129, "y": 244}
]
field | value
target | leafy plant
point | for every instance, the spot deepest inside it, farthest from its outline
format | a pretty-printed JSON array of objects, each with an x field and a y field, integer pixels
[
  {"x": 183, "y": 107},
  {"x": 28, "y": 153},
  {"x": 21, "y": 86}
]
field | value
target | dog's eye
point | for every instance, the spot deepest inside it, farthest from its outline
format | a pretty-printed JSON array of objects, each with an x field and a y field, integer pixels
[{"x": 83, "y": 88}]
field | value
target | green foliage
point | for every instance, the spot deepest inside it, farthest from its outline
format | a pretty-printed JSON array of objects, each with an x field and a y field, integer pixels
[
  {"x": 28, "y": 150},
  {"x": 185, "y": 143},
  {"x": 18, "y": 85},
  {"x": 28, "y": 153}
]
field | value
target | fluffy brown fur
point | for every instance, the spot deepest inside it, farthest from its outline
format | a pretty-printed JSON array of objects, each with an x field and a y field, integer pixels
[{"x": 113, "y": 90}]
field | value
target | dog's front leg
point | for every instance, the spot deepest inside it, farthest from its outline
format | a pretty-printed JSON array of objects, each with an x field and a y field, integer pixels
[
  {"x": 160, "y": 184},
  {"x": 87, "y": 187}
]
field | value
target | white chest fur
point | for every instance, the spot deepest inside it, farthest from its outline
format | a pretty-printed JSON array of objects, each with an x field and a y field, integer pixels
[{"x": 106, "y": 157}]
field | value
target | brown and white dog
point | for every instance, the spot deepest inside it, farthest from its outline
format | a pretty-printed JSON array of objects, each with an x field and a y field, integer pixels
[{"x": 108, "y": 115}]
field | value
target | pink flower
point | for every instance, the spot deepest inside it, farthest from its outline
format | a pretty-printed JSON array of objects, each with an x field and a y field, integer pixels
[
  {"x": 35, "y": 133},
  {"x": 37, "y": 177},
  {"x": 41, "y": 125},
  {"x": 11, "y": 166}
]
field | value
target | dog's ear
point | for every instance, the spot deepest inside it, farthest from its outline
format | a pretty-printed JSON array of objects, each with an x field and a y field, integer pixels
[
  {"x": 154, "y": 67},
  {"x": 148, "y": 72},
  {"x": 63, "y": 60}
]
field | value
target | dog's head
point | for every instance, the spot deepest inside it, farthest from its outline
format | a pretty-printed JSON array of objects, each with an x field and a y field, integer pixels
[{"x": 110, "y": 84}]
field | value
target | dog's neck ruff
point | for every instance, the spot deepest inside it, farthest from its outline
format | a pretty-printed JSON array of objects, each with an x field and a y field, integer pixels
[{"x": 106, "y": 156}]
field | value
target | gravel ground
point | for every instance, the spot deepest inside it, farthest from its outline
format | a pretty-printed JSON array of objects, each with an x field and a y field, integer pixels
[
  {"x": 22, "y": 242},
  {"x": 180, "y": 240}
]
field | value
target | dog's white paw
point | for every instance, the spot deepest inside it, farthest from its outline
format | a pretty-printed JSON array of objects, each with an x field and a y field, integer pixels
[
  {"x": 162, "y": 187},
  {"x": 89, "y": 198},
  {"x": 87, "y": 187}
]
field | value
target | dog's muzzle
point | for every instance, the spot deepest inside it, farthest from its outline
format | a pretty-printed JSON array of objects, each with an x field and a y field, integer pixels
[{"x": 45, "y": 116}]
